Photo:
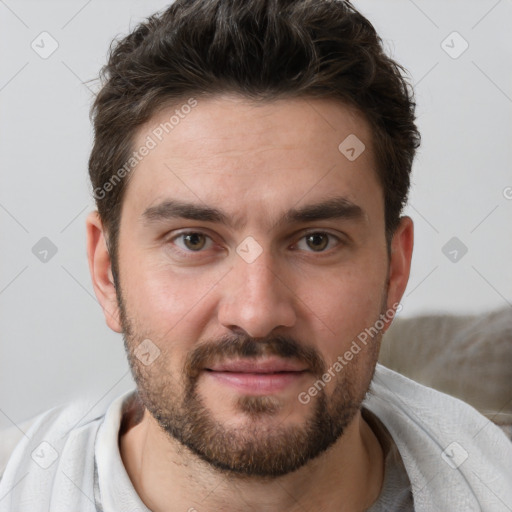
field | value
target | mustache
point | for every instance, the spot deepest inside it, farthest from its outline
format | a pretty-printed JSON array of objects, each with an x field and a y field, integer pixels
[{"x": 244, "y": 346}]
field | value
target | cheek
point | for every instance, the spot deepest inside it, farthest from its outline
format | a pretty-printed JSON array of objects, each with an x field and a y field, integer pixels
[
  {"x": 153, "y": 299},
  {"x": 344, "y": 305},
  {"x": 169, "y": 304}
]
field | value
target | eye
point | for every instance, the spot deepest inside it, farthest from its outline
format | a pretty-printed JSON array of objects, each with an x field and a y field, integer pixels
[
  {"x": 192, "y": 241},
  {"x": 317, "y": 241}
]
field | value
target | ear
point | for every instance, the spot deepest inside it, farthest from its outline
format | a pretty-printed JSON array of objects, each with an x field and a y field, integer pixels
[
  {"x": 101, "y": 272},
  {"x": 399, "y": 264}
]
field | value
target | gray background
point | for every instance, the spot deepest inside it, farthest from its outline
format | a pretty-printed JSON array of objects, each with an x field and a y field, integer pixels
[{"x": 55, "y": 344}]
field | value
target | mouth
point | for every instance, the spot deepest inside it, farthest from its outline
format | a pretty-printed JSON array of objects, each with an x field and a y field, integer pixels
[{"x": 257, "y": 377}]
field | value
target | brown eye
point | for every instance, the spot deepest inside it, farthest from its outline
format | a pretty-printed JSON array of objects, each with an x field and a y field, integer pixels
[
  {"x": 194, "y": 241},
  {"x": 192, "y": 245},
  {"x": 317, "y": 241}
]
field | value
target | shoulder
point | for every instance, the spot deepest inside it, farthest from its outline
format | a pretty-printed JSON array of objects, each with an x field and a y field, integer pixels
[
  {"x": 59, "y": 441},
  {"x": 10, "y": 437},
  {"x": 449, "y": 449},
  {"x": 438, "y": 415},
  {"x": 54, "y": 424}
]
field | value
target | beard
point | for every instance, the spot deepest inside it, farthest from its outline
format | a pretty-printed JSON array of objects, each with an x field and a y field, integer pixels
[{"x": 258, "y": 448}]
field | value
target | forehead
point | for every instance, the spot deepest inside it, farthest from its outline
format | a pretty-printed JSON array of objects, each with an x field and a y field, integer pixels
[{"x": 226, "y": 150}]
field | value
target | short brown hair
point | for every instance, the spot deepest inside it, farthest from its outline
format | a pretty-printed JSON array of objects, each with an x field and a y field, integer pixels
[{"x": 263, "y": 50}]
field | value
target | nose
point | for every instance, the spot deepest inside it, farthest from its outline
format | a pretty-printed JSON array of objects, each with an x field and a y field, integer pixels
[{"x": 256, "y": 298}]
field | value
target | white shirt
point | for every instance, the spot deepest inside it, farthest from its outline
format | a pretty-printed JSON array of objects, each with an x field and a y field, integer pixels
[{"x": 455, "y": 458}]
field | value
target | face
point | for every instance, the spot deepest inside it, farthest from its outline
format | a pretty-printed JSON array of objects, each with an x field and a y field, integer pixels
[{"x": 252, "y": 255}]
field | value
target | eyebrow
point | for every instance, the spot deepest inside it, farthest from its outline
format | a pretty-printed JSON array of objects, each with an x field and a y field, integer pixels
[{"x": 336, "y": 208}]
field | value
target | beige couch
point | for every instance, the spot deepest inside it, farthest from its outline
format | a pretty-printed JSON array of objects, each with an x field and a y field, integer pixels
[{"x": 469, "y": 357}]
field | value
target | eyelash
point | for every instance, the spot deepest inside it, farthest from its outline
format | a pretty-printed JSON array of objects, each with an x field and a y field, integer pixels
[{"x": 187, "y": 253}]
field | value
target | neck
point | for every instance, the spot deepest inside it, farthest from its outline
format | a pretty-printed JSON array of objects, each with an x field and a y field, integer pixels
[{"x": 168, "y": 477}]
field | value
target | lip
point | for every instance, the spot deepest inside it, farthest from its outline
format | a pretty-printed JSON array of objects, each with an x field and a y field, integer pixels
[
  {"x": 255, "y": 377},
  {"x": 263, "y": 366}
]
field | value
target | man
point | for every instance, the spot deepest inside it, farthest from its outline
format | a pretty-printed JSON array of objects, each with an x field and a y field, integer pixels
[{"x": 250, "y": 164}]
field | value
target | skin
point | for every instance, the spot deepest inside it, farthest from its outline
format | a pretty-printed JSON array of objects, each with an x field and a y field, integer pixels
[{"x": 255, "y": 162}]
